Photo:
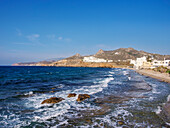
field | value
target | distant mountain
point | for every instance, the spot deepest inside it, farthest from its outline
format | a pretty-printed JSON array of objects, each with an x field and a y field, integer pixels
[
  {"x": 48, "y": 61},
  {"x": 119, "y": 56}
]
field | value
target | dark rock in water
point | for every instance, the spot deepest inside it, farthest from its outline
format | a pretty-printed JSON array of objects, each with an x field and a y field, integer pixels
[
  {"x": 89, "y": 121},
  {"x": 82, "y": 97},
  {"x": 52, "y": 100},
  {"x": 27, "y": 111},
  {"x": 101, "y": 124},
  {"x": 52, "y": 91},
  {"x": 40, "y": 92},
  {"x": 72, "y": 95},
  {"x": 165, "y": 113},
  {"x": 120, "y": 122}
]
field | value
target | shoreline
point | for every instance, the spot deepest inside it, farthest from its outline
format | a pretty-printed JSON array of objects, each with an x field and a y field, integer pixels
[{"x": 163, "y": 77}]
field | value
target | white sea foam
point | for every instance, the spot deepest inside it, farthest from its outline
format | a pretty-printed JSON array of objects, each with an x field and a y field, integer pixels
[
  {"x": 94, "y": 88},
  {"x": 112, "y": 118},
  {"x": 125, "y": 72},
  {"x": 167, "y": 123},
  {"x": 29, "y": 93},
  {"x": 151, "y": 98},
  {"x": 158, "y": 111},
  {"x": 47, "y": 111},
  {"x": 154, "y": 88},
  {"x": 109, "y": 75},
  {"x": 69, "y": 108},
  {"x": 111, "y": 72},
  {"x": 129, "y": 78},
  {"x": 168, "y": 98},
  {"x": 61, "y": 123}
]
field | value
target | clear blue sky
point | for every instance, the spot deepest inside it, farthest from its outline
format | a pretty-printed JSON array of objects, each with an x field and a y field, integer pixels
[{"x": 33, "y": 30}]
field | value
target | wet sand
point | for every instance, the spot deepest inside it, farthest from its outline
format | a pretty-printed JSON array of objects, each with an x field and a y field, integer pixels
[{"x": 157, "y": 75}]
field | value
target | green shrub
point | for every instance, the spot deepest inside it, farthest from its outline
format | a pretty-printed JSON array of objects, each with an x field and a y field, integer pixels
[{"x": 168, "y": 71}]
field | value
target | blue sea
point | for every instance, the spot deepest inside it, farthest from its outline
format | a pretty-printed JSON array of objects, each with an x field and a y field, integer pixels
[{"x": 118, "y": 98}]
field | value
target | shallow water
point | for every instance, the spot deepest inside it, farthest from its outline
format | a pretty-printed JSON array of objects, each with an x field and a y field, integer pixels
[{"x": 119, "y": 98}]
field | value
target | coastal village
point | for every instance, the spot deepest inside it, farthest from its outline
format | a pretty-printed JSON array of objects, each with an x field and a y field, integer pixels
[
  {"x": 119, "y": 58},
  {"x": 139, "y": 63}
]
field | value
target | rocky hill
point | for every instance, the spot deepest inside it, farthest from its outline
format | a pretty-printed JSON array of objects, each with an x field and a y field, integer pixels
[
  {"x": 119, "y": 56},
  {"x": 126, "y": 54}
]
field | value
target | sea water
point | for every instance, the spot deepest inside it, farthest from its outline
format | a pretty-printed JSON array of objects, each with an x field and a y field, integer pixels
[{"x": 118, "y": 98}]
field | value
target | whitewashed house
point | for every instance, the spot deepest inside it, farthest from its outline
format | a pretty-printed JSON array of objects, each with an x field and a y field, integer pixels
[
  {"x": 138, "y": 63},
  {"x": 158, "y": 63},
  {"x": 96, "y": 60},
  {"x": 116, "y": 53},
  {"x": 93, "y": 59},
  {"x": 110, "y": 61},
  {"x": 142, "y": 63}
]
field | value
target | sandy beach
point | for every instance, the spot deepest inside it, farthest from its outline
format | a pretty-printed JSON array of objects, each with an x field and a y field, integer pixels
[{"x": 157, "y": 75}]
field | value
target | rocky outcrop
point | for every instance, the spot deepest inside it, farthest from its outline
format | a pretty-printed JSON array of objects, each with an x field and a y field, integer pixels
[
  {"x": 119, "y": 123},
  {"x": 71, "y": 95},
  {"x": 82, "y": 97},
  {"x": 100, "y": 52},
  {"x": 76, "y": 56},
  {"x": 52, "y": 100},
  {"x": 165, "y": 112}
]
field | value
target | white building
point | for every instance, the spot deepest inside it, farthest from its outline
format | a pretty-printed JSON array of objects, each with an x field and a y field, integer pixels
[
  {"x": 138, "y": 63},
  {"x": 116, "y": 53},
  {"x": 110, "y": 61},
  {"x": 142, "y": 62},
  {"x": 94, "y": 59},
  {"x": 158, "y": 63}
]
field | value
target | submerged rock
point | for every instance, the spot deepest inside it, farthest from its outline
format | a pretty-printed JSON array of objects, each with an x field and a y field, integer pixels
[
  {"x": 111, "y": 100},
  {"x": 120, "y": 122},
  {"x": 165, "y": 113},
  {"x": 142, "y": 86},
  {"x": 52, "y": 91},
  {"x": 52, "y": 100},
  {"x": 82, "y": 97},
  {"x": 72, "y": 95}
]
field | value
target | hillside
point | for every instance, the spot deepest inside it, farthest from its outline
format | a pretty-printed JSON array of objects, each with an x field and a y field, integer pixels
[
  {"x": 119, "y": 56},
  {"x": 126, "y": 54}
]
